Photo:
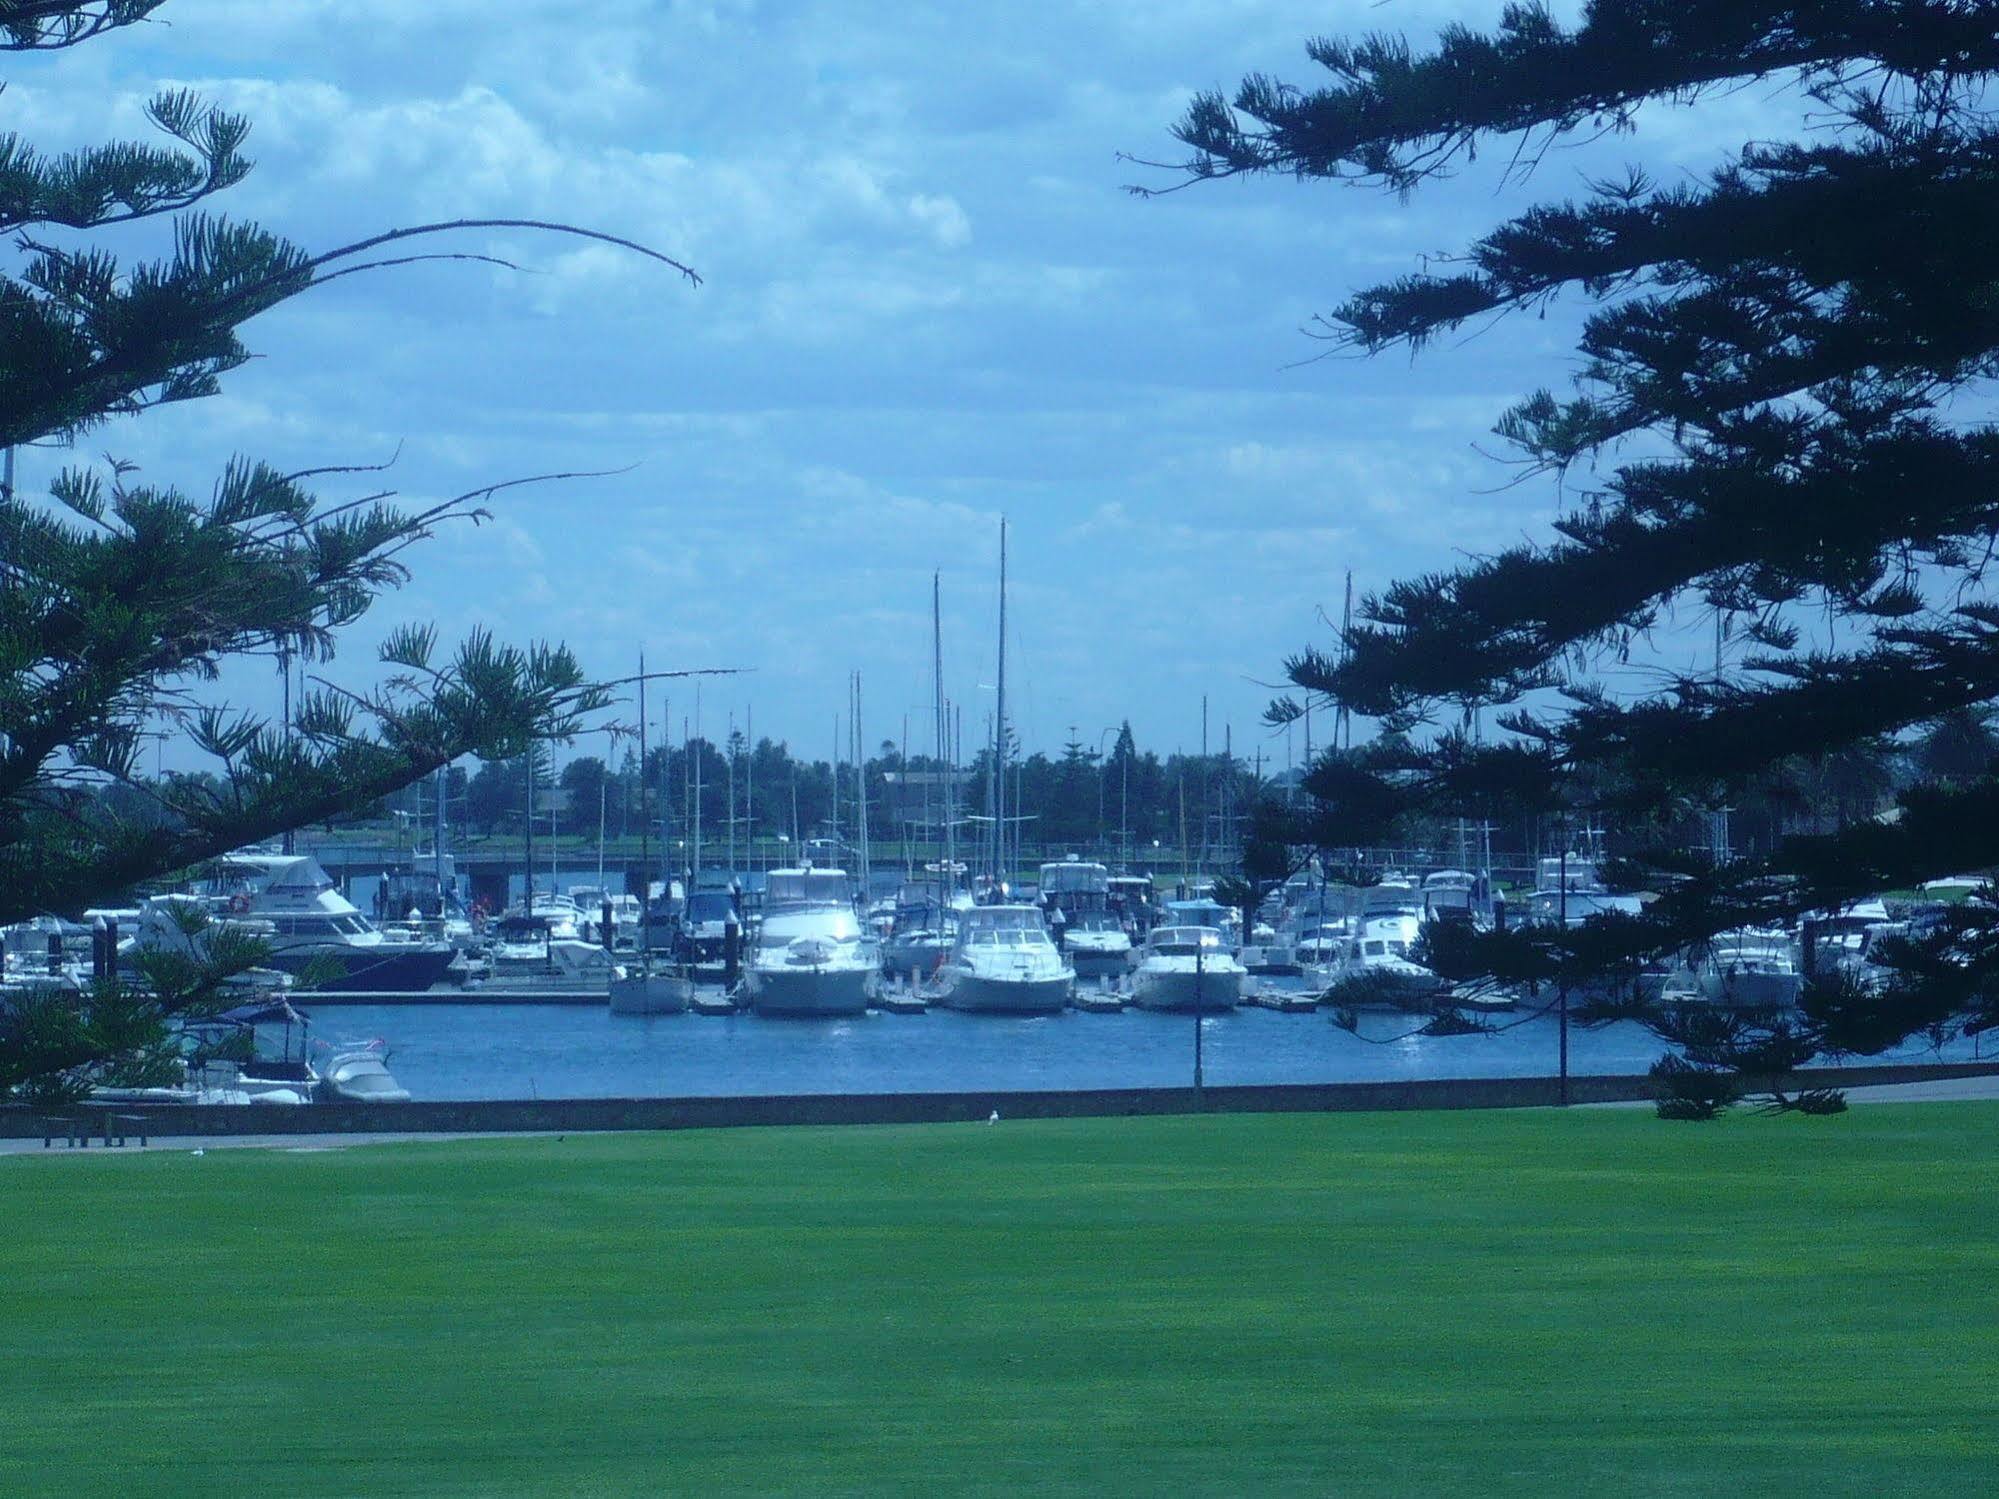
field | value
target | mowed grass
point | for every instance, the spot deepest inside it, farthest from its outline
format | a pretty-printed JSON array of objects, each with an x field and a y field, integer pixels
[{"x": 1468, "y": 1303}]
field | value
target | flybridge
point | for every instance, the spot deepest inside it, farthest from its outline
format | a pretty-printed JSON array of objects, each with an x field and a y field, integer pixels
[
  {"x": 815, "y": 887},
  {"x": 1074, "y": 876}
]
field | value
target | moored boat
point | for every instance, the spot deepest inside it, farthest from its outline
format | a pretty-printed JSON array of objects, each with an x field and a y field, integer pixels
[
  {"x": 811, "y": 956},
  {"x": 1187, "y": 968},
  {"x": 1004, "y": 961}
]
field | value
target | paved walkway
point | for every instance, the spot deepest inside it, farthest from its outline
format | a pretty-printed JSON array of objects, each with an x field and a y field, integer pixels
[{"x": 1941, "y": 1090}]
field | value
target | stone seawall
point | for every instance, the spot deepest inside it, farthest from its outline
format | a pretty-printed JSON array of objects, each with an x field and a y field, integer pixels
[{"x": 581, "y": 1114}]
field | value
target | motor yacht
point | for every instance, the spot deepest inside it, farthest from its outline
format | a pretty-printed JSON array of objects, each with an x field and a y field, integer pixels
[
  {"x": 704, "y": 924},
  {"x": 520, "y": 944},
  {"x": 1375, "y": 966},
  {"x": 1751, "y": 969},
  {"x": 811, "y": 956},
  {"x": 1187, "y": 968},
  {"x": 1004, "y": 960},
  {"x": 1097, "y": 945},
  {"x": 1450, "y": 895},
  {"x": 358, "y": 1072},
  {"x": 292, "y": 903}
]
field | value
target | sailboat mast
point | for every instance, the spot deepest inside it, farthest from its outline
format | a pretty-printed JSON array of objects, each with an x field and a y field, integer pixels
[
  {"x": 999, "y": 733},
  {"x": 943, "y": 747},
  {"x": 694, "y": 749},
  {"x": 645, "y": 824},
  {"x": 861, "y": 788}
]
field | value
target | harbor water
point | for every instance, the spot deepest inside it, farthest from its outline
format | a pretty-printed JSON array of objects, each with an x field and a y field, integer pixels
[{"x": 475, "y": 1051}]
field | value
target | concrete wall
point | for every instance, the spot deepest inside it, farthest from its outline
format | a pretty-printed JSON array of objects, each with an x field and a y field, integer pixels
[{"x": 581, "y": 1114}]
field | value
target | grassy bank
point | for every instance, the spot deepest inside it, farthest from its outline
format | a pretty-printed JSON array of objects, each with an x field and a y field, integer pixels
[{"x": 1470, "y": 1303}]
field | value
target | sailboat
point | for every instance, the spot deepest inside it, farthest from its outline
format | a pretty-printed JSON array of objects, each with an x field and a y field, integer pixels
[{"x": 638, "y": 988}]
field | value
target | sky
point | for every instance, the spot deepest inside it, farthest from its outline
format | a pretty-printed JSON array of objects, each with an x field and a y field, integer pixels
[{"x": 928, "y": 303}]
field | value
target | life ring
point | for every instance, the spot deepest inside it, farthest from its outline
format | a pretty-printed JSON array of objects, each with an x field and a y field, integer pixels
[{"x": 240, "y": 904}]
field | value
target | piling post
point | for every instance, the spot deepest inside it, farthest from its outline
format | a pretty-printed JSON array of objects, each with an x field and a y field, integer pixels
[{"x": 732, "y": 949}]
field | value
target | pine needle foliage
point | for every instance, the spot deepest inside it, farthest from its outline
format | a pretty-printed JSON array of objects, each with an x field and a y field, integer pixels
[
  {"x": 121, "y": 596},
  {"x": 1780, "y": 422}
]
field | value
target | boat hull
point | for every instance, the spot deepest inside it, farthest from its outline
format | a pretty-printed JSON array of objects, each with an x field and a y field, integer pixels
[
  {"x": 917, "y": 959},
  {"x": 369, "y": 971},
  {"x": 1753, "y": 989},
  {"x": 811, "y": 991},
  {"x": 1185, "y": 992},
  {"x": 1091, "y": 963},
  {"x": 650, "y": 994},
  {"x": 984, "y": 994}
]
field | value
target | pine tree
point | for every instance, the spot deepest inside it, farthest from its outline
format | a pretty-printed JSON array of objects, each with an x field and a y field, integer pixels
[
  {"x": 1780, "y": 420},
  {"x": 120, "y": 597}
]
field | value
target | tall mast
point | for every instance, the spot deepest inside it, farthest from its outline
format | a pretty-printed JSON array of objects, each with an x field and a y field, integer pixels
[
  {"x": 999, "y": 733},
  {"x": 645, "y": 825},
  {"x": 694, "y": 748},
  {"x": 943, "y": 748},
  {"x": 437, "y": 836},
  {"x": 1342, "y": 724},
  {"x": 861, "y": 787}
]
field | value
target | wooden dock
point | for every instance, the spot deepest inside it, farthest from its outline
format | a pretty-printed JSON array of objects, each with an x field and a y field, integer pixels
[{"x": 1289, "y": 1001}]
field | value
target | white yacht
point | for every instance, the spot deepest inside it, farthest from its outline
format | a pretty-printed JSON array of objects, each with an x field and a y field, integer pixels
[
  {"x": 590, "y": 901},
  {"x": 1450, "y": 895},
  {"x": 563, "y": 915},
  {"x": 1206, "y": 911},
  {"x": 1378, "y": 955},
  {"x": 1187, "y": 968},
  {"x": 519, "y": 944},
  {"x": 1005, "y": 961},
  {"x": 1751, "y": 969},
  {"x": 1319, "y": 943},
  {"x": 1097, "y": 945},
  {"x": 358, "y": 1073},
  {"x": 1076, "y": 895},
  {"x": 811, "y": 956},
  {"x": 293, "y": 904}
]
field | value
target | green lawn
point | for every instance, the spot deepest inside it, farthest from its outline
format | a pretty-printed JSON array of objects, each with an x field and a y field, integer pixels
[{"x": 1466, "y": 1303}]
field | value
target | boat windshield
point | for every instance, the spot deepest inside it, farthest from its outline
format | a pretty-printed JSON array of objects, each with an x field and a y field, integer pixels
[
  {"x": 1185, "y": 941},
  {"x": 1003, "y": 925},
  {"x": 832, "y": 924},
  {"x": 708, "y": 905},
  {"x": 788, "y": 887},
  {"x": 1061, "y": 879}
]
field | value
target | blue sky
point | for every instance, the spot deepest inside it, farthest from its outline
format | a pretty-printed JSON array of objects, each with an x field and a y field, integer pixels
[{"x": 929, "y": 302}]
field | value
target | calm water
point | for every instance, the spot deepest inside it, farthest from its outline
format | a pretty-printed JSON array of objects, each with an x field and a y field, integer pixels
[{"x": 582, "y": 1051}]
